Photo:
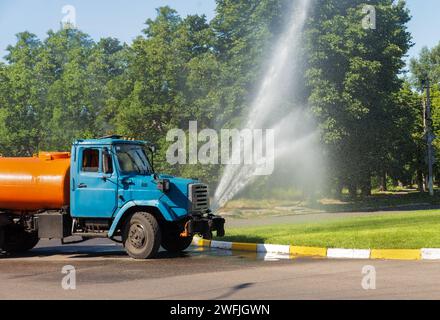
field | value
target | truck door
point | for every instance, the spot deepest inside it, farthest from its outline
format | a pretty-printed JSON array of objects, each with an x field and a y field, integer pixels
[{"x": 96, "y": 187}]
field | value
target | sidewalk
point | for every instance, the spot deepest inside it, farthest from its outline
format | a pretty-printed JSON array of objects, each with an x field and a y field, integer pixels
[{"x": 306, "y": 217}]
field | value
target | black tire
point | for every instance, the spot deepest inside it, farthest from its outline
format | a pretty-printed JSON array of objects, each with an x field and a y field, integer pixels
[
  {"x": 17, "y": 240},
  {"x": 31, "y": 240},
  {"x": 208, "y": 236},
  {"x": 142, "y": 236},
  {"x": 174, "y": 243}
]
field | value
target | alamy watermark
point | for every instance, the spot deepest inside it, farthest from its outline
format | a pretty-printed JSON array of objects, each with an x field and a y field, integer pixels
[
  {"x": 69, "y": 17},
  {"x": 69, "y": 280},
  {"x": 369, "y": 278},
  {"x": 249, "y": 147},
  {"x": 369, "y": 19}
]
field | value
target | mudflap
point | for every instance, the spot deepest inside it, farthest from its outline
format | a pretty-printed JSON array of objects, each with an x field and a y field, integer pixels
[
  {"x": 204, "y": 225},
  {"x": 4, "y": 221},
  {"x": 2, "y": 237}
]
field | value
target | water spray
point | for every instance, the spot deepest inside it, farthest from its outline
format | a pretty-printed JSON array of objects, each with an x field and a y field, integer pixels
[{"x": 275, "y": 87}]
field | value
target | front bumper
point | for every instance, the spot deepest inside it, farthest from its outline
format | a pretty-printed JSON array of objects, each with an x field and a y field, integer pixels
[{"x": 205, "y": 225}]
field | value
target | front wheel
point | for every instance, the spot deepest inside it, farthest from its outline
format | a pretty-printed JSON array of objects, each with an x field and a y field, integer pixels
[
  {"x": 174, "y": 243},
  {"x": 142, "y": 236},
  {"x": 208, "y": 235}
]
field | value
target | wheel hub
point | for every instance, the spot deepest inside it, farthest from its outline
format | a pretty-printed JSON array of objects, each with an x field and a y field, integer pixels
[{"x": 137, "y": 236}]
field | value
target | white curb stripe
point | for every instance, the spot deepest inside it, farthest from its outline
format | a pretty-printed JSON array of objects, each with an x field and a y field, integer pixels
[
  {"x": 348, "y": 253},
  {"x": 272, "y": 256},
  {"x": 221, "y": 245},
  {"x": 273, "y": 248},
  {"x": 430, "y": 254}
]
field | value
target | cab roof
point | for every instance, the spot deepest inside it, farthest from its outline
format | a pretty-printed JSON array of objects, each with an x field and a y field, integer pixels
[{"x": 110, "y": 140}]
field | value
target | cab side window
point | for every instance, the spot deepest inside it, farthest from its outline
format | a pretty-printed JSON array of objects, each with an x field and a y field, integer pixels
[{"x": 90, "y": 160}]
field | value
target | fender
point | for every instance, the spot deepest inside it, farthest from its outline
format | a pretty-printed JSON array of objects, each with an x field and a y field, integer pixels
[{"x": 166, "y": 212}]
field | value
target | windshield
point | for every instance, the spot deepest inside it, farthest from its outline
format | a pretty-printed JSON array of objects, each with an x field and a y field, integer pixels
[{"x": 133, "y": 159}]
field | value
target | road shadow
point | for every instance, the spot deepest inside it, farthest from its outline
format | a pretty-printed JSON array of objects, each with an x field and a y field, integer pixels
[
  {"x": 234, "y": 290},
  {"x": 85, "y": 252}
]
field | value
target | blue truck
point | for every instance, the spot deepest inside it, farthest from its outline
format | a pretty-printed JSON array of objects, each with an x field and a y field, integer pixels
[{"x": 103, "y": 188}]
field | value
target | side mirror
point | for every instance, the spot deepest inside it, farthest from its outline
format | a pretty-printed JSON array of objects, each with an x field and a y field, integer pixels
[
  {"x": 163, "y": 185},
  {"x": 152, "y": 148}
]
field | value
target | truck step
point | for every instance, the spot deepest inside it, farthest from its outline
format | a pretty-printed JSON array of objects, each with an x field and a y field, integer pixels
[{"x": 91, "y": 234}]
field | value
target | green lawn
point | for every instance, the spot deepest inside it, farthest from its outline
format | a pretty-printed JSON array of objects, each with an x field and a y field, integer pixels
[{"x": 411, "y": 230}]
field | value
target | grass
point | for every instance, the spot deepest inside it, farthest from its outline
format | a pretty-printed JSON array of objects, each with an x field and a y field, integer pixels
[{"x": 411, "y": 230}]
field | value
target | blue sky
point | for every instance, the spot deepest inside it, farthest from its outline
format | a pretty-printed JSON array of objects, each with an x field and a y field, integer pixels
[{"x": 125, "y": 19}]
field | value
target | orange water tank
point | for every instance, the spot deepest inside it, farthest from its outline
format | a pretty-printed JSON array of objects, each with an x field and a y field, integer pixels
[{"x": 35, "y": 183}]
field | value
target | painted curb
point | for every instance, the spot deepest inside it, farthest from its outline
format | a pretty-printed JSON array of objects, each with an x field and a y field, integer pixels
[
  {"x": 332, "y": 253},
  {"x": 396, "y": 254},
  {"x": 348, "y": 253},
  {"x": 430, "y": 254}
]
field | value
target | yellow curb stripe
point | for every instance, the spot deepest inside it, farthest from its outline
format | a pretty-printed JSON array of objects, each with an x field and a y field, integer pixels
[
  {"x": 244, "y": 246},
  {"x": 396, "y": 254},
  {"x": 308, "y": 251},
  {"x": 204, "y": 243}
]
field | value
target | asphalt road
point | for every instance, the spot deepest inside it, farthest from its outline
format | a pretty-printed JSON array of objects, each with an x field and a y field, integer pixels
[{"x": 103, "y": 271}]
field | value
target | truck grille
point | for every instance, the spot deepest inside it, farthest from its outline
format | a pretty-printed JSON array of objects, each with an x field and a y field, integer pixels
[{"x": 198, "y": 194}]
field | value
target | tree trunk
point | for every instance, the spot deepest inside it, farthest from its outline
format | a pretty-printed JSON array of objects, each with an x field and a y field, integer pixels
[
  {"x": 339, "y": 189},
  {"x": 383, "y": 182},
  {"x": 366, "y": 187},
  {"x": 352, "y": 189},
  {"x": 420, "y": 184}
]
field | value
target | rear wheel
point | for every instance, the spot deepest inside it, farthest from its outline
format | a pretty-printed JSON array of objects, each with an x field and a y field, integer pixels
[
  {"x": 173, "y": 242},
  {"x": 142, "y": 236},
  {"x": 16, "y": 240},
  {"x": 30, "y": 241}
]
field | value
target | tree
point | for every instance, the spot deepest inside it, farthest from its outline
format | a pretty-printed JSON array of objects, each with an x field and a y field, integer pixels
[
  {"x": 427, "y": 67},
  {"x": 353, "y": 77},
  {"x": 408, "y": 149},
  {"x": 20, "y": 110},
  {"x": 71, "y": 109},
  {"x": 169, "y": 81},
  {"x": 182, "y": 69},
  {"x": 245, "y": 31}
]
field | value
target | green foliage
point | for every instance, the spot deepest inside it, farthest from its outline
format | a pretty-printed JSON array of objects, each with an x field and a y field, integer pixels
[
  {"x": 427, "y": 67},
  {"x": 353, "y": 77},
  {"x": 182, "y": 69},
  {"x": 54, "y": 92}
]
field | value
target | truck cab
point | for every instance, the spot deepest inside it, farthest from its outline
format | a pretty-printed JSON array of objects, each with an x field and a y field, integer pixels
[{"x": 114, "y": 192}]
